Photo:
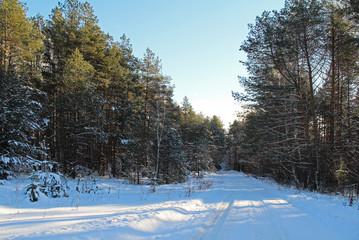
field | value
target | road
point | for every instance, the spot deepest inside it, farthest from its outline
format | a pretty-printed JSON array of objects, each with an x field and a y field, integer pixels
[
  {"x": 223, "y": 206},
  {"x": 252, "y": 209}
]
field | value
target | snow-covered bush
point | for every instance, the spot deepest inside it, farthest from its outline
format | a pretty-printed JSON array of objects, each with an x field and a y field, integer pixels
[
  {"x": 87, "y": 186},
  {"x": 33, "y": 192},
  {"x": 5, "y": 167},
  {"x": 48, "y": 183}
]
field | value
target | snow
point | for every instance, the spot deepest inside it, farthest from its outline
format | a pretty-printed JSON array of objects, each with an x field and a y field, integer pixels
[
  {"x": 225, "y": 205},
  {"x": 46, "y": 121},
  {"x": 5, "y": 160},
  {"x": 125, "y": 141}
]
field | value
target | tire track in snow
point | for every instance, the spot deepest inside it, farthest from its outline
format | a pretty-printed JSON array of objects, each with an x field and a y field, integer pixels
[
  {"x": 216, "y": 220},
  {"x": 222, "y": 216},
  {"x": 260, "y": 222}
]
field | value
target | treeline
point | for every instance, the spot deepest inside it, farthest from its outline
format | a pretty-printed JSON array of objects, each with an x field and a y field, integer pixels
[
  {"x": 75, "y": 101},
  {"x": 302, "y": 124}
]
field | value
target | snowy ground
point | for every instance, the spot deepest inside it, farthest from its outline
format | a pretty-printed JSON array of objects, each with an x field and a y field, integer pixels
[{"x": 226, "y": 205}]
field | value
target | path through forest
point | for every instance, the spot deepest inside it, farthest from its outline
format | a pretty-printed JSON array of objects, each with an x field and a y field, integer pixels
[{"x": 226, "y": 205}]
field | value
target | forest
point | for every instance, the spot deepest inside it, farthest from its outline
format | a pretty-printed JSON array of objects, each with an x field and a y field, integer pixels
[
  {"x": 302, "y": 121},
  {"x": 76, "y": 103}
]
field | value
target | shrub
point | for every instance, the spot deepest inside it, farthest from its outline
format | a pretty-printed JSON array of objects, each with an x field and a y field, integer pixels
[{"x": 50, "y": 184}]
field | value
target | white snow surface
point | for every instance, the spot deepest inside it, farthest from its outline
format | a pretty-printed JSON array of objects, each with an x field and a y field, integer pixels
[{"x": 224, "y": 205}]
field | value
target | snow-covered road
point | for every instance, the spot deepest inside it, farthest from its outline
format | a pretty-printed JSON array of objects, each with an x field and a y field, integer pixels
[
  {"x": 227, "y": 205},
  {"x": 255, "y": 210}
]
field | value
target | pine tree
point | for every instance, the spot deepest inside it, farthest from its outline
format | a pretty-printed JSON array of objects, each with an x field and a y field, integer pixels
[
  {"x": 119, "y": 110},
  {"x": 157, "y": 92},
  {"x": 234, "y": 141},
  {"x": 20, "y": 39},
  {"x": 79, "y": 113},
  {"x": 343, "y": 51},
  {"x": 75, "y": 40},
  {"x": 20, "y": 120},
  {"x": 73, "y": 25},
  {"x": 217, "y": 141}
]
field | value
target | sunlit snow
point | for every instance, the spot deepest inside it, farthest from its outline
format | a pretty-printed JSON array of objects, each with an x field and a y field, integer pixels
[{"x": 226, "y": 205}]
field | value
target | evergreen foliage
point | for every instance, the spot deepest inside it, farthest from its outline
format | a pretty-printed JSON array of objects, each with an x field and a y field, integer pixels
[
  {"x": 20, "y": 39},
  {"x": 19, "y": 124}
]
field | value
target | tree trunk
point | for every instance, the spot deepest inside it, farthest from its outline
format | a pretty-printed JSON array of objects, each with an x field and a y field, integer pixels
[{"x": 313, "y": 111}]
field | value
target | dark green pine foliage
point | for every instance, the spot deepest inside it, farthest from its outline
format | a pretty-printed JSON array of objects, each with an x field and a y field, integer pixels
[
  {"x": 234, "y": 139},
  {"x": 121, "y": 103},
  {"x": 172, "y": 164},
  {"x": 202, "y": 139},
  {"x": 156, "y": 94},
  {"x": 19, "y": 124},
  {"x": 217, "y": 142},
  {"x": 79, "y": 114},
  {"x": 202, "y": 160},
  {"x": 74, "y": 41},
  {"x": 173, "y": 167},
  {"x": 73, "y": 25},
  {"x": 20, "y": 39}
]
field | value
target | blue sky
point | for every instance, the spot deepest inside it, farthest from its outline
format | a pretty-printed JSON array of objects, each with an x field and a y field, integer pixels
[{"x": 197, "y": 40}]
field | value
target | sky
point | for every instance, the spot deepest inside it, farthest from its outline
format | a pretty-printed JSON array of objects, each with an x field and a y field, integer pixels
[{"x": 198, "y": 42}]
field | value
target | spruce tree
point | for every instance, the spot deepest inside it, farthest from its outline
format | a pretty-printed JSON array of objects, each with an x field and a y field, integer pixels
[
  {"x": 173, "y": 167},
  {"x": 19, "y": 119}
]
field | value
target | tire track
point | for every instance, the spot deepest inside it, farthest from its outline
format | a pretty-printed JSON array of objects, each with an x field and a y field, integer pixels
[{"x": 216, "y": 220}]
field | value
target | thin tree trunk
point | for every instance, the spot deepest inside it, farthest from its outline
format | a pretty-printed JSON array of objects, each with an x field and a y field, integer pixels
[
  {"x": 6, "y": 47},
  {"x": 332, "y": 91},
  {"x": 314, "y": 115}
]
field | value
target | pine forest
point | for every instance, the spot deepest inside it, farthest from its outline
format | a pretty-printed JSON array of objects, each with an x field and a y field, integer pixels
[{"x": 74, "y": 102}]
